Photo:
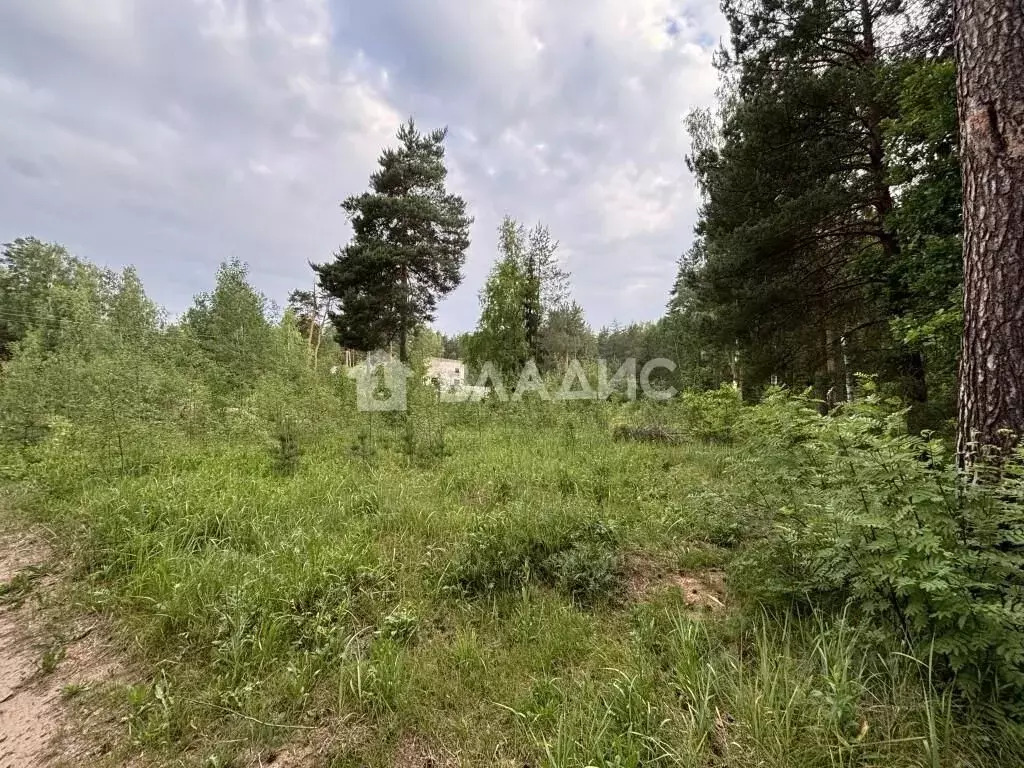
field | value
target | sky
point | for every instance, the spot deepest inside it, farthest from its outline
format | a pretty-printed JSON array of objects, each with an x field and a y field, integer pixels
[{"x": 178, "y": 134}]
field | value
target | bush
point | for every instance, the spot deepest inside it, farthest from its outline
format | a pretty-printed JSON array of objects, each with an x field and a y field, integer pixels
[
  {"x": 711, "y": 416},
  {"x": 869, "y": 516},
  {"x": 579, "y": 558}
]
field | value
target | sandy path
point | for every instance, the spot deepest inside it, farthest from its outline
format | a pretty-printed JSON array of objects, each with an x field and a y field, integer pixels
[
  {"x": 26, "y": 712},
  {"x": 35, "y": 728}
]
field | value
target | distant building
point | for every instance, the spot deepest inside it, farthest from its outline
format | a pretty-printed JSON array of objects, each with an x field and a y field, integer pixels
[{"x": 449, "y": 374}]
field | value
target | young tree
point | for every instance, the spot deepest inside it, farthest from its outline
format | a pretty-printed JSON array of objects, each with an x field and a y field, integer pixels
[
  {"x": 425, "y": 344},
  {"x": 230, "y": 328},
  {"x": 133, "y": 315},
  {"x": 409, "y": 242},
  {"x": 566, "y": 335},
  {"x": 990, "y": 96},
  {"x": 547, "y": 286},
  {"x": 30, "y": 271},
  {"x": 502, "y": 336}
]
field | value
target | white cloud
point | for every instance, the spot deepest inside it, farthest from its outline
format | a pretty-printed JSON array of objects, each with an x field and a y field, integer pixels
[
  {"x": 175, "y": 135},
  {"x": 236, "y": 136}
]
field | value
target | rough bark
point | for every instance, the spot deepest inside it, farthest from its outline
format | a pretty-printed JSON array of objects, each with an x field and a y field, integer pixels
[
  {"x": 990, "y": 103},
  {"x": 403, "y": 331}
]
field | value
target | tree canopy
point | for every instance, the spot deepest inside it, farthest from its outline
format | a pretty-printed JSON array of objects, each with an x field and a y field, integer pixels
[{"x": 408, "y": 246}]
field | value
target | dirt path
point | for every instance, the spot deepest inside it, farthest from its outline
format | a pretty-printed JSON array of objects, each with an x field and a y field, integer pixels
[{"x": 46, "y": 658}]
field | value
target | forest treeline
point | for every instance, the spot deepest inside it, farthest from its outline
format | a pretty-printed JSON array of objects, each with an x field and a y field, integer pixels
[
  {"x": 829, "y": 240},
  {"x": 829, "y": 237},
  {"x": 828, "y": 244},
  {"x": 828, "y": 247}
]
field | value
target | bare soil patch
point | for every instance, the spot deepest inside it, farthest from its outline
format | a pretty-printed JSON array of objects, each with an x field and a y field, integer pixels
[
  {"x": 702, "y": 589},
  {"x": 414, "y": 752},
  {"x": 46, "y": 659}
]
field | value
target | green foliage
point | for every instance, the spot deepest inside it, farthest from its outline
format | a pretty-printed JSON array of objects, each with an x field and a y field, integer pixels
[
  {"x": 711, "y": 416},
  {"x": 500, "y": 580},
  {"x": 525, "y": 313},
  {"x": 865, "y": 515},
  {"x": 502, "y": 337},
  {"x": 30, "y": 273},
  {"x": 589, "y": 571},
  {"x": 286, "y": 449},
  {"x": 580, "y": 558},
  {"x": 409, "y": 242},
  {"x": 399, "y": 625},
  {"x": 426, "y": 343},
  {"x": 566, "y": 336},
  {"x": 927, "y": 277},
  {"x": 229, "y": 331},
  {"x": 828, "y": 236}
]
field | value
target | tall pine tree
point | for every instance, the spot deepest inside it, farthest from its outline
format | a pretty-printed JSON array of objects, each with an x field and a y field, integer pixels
[
  {"x": 990, "y": 99},
  {"x": 796, "y": 229},
  {"x": 409, "y": 242}
]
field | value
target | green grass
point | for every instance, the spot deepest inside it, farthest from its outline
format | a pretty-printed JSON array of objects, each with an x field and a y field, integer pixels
[{"x": 463, "y": 585}]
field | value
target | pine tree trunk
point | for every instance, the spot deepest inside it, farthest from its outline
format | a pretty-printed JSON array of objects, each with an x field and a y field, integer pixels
[
  {"x": 990, "y": 102},
  {"x": 878, "y": 172},
  {"x": 911, "y": 364},
  {"x": 403, "y": 333}
]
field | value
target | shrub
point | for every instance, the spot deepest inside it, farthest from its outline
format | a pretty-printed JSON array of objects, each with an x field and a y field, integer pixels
[
  {"x": 872, "y": 517},
  {"x": 581, "y": 559},
  {"x": 711, "y": 416}
]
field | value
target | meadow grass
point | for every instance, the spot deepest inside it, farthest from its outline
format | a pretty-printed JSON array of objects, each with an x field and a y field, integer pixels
[{"x": 477, "y": 586}]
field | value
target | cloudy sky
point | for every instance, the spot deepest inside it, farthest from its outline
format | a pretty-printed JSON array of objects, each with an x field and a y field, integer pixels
[{"x": 175, "y": 134}]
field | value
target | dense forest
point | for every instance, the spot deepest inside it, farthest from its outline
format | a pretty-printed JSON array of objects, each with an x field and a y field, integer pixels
[{"x": 829, "y": 243}]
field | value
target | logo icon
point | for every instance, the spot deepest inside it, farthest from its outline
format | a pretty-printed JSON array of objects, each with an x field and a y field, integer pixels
[{"x": 380, "y": 383}]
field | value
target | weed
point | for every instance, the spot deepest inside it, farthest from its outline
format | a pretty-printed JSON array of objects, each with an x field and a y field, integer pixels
[
  {"x": 73, "y": 690},
  {"x": 52, "y": 656},
  {"x": 15, "y": 591},
  {"x": 399, "y": 625}
]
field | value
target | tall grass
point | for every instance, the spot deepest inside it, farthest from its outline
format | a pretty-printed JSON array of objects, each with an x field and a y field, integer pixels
[{"x": 469, "y": 591}]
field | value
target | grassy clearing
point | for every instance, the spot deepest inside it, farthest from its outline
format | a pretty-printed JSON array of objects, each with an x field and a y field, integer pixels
[{"x": 475, "y": 585}]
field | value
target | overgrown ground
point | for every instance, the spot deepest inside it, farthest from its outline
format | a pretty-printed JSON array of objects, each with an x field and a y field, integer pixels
[{"x": 471, "y": 585}]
